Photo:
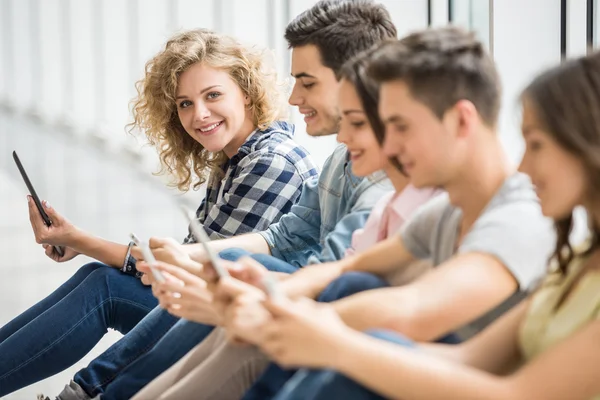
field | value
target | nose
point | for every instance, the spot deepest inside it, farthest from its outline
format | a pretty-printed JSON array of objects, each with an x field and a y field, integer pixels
[
  {"x": 343, "y": 136},
  {"x": 201, "y": 112},
  {"x": 391, "y": 146},
  {"x": 524, "y": 166},
  {"x": 295, "y": 98}
]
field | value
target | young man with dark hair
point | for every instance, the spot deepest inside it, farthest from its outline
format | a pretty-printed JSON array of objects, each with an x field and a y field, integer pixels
[{"x": 317, "y": 229}]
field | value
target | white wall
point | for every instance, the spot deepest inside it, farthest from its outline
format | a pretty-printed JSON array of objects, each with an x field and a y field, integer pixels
[
  {"x": 75, "y": 62},
  {"x": 524, "y": 43}
]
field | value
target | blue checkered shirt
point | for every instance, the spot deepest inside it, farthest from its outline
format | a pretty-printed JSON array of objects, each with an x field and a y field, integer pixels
[{"x": 260, "y": 184}]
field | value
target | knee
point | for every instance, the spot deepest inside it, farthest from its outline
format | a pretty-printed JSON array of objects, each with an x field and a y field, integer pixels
[
  {"x": 108, "y": 276},
  {"x": 91, "y": 267},
  {"x": 349, "y": 284},
  {"x": 233, "y": 254}
]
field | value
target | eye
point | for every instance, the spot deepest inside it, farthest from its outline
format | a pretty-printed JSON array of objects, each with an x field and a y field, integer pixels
[
  {"x": 213, "y": 95},
  {"x": 185, "y": 104},
  {"x": 534, "y": 145},
  {"x": 401, "y": 128},
  {"x": 308, "y": 85},
  {"x": 357, "y": 124}
]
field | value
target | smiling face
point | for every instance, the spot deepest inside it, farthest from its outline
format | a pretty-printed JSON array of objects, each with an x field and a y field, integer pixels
[
  {"x": 559, "y": 177},
  {"x": 315, "y": 91},
  {"x": 213, "y": 109},
  {"x": 356, "y": 133}
]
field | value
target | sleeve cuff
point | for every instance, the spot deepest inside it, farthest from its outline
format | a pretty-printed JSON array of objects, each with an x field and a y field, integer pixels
[{"x": 129, "y": 267}]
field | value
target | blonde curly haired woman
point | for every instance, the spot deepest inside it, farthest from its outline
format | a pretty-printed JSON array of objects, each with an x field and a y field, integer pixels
[{"x": 213, "y": 109}]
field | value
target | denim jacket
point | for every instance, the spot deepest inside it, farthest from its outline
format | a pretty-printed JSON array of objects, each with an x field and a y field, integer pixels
[{"x": 331, "y": 207}]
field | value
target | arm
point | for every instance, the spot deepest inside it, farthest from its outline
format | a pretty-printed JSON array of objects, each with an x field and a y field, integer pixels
[
  {"x": 492, "y": 262},
  {"x": 427, "y": 309},
  {"x": 105, "y": 251},
  {"x": 310, "y": 281},
  {"x": 252, "y": 242},
  {"x": 566, "y": 371},
  {"x": 495, "y": 350}
]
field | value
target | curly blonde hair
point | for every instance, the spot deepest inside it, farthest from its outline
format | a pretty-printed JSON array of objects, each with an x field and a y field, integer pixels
[{"x": 155, "y": 108}]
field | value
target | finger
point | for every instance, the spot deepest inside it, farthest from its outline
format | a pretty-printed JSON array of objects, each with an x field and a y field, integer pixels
[
  {"x": 191, "y": 303},
  {"x": 34, "y": 215},
  {"x": 280, "y": 307},
  {"x": 142, "y": 266},
  {"x": 190, "y": 266},
  {"x": 180, "y": 273},
  {"x": 195, "y": 292},
  {"x": 208, "y": 272},
  {"x": 49, "y": 251},
  {"x": 156, "y": 292},
  {"x": 155, "y": 242},
  {"x": 248, "y": 270},
  {"x": 232, "y": 287},
  {"x": 54, "y": 216},
  {"x": 56, "y": 254},
  {"x": 146, "y": 280}
]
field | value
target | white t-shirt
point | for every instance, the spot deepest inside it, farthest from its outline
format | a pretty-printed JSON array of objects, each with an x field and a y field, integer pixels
[{"x": 511, "y": 228}]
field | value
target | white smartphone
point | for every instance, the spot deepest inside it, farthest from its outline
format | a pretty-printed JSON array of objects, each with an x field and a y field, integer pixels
[
  {"x": 270, "y": 286},
  {"x": 148, "y": 257},
  {"x": 202, "y": 237}
]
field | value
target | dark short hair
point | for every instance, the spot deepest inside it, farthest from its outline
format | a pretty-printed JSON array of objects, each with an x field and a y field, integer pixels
[
  {"x": 440, "y": 67},
  {"x": 340, "y": 29}
]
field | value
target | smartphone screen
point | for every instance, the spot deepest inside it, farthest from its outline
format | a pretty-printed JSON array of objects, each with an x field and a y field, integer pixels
[{"x": 36, "y": 199}]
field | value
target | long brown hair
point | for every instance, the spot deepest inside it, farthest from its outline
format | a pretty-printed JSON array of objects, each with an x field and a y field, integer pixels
[{"x": 566, "y": 100}]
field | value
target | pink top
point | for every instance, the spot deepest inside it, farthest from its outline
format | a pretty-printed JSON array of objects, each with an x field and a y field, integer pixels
[{"x": 388, "y": 215}]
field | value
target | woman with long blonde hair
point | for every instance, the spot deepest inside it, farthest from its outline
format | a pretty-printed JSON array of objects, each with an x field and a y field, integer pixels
[{"x": 213, "y": 110}]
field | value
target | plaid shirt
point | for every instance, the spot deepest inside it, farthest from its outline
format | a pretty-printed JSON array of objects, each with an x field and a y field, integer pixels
[{"x": 260, "y": 184}]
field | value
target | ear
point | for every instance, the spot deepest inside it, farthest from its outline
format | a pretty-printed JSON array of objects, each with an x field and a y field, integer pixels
[
  {"x": 466, "y": 117},
  {"x": 247, "y": 100}
]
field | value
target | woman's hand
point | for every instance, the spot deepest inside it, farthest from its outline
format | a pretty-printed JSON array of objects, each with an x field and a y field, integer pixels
[
  {"x": 68, "y": 253},
  {"x": 240, "y": 304},
  {"x": 183, "y": 294},
  {"x": 60, "y": 233}
]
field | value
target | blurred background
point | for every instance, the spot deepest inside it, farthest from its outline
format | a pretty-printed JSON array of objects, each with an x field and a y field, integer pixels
[{"x": 67, "y": 74}]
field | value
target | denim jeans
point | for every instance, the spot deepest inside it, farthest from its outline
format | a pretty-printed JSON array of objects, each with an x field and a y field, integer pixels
[
  {"x": 328, "y": 384},
  {"x": 153, "y": 346},
  {"x": 62, "y": 328},
  {"x": 275, "y": 377}
]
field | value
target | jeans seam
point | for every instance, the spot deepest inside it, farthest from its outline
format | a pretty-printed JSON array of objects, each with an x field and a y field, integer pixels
[
  {"x": 51, "y": 345},
  {"x": 129, "y": 361}
]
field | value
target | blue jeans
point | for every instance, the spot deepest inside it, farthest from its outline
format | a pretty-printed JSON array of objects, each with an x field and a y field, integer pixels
[
  {"x": 328, "y": 384},
  {"x": 62, "y": 328},
  {"x": 152, "y": 346},
  {"x": 274, "y": 377}
]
